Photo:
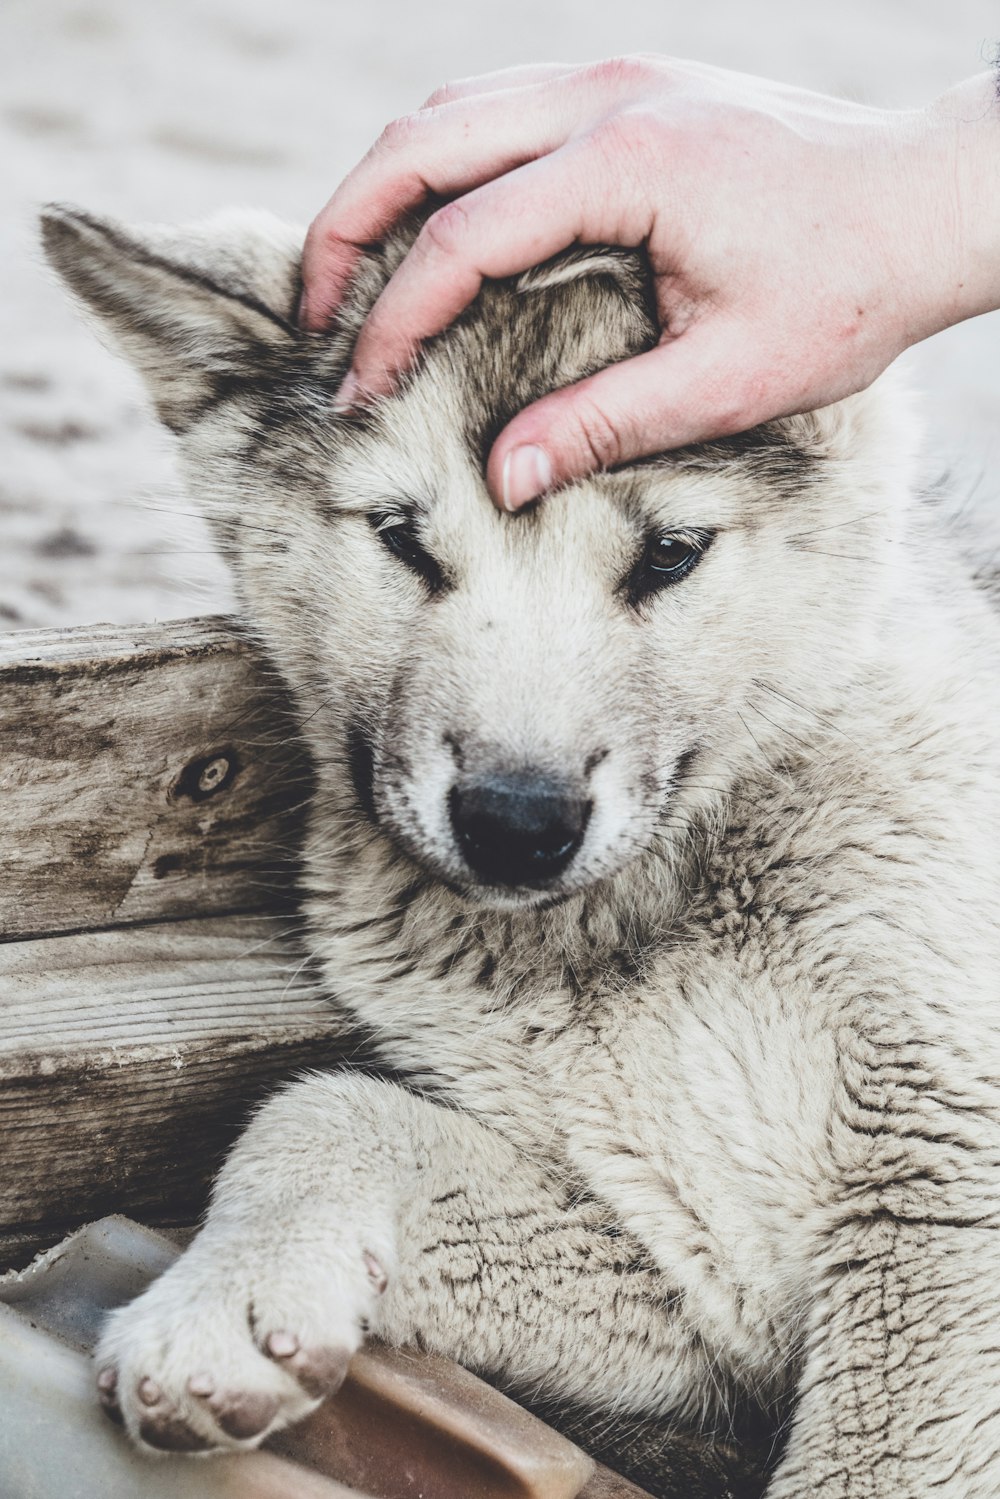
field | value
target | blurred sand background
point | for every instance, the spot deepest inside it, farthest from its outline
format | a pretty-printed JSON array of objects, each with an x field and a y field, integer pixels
[{"x": 171, "y": 108}]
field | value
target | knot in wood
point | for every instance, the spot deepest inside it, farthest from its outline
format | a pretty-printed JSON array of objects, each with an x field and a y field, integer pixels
[
  {"x": 208, "y": 775},
  {"x": 213, "y": 774}
]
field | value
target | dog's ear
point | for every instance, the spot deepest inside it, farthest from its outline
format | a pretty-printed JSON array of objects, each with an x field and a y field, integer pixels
[{"x": 191, "y": 307}]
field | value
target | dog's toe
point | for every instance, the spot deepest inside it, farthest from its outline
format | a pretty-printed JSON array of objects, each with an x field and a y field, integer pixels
[
  {"x": 107, "y": 1393},
  {"x": 319, "y": 1371},
  {"x": 243, "y": 1413},
  {"x": 162, "y": 1426}
]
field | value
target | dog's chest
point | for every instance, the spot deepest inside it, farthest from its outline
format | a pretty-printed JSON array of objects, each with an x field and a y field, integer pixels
[
  {"x": 681, "y": 1087},
  {"x": 682, "y": 1072}
]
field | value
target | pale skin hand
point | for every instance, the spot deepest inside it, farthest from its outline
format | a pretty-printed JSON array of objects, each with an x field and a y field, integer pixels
[{"x": 798, "y": 243}]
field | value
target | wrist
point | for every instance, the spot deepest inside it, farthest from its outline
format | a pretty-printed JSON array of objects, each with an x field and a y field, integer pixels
[{"x": 961, "y": 139}]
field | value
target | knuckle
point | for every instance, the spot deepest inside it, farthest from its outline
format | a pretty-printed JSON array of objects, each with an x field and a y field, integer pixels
[
  {"x": 445, "y": 230},
  {"x": 446, "y": 93},
  {"x": 599, "y": 437},
  {"x": 620, "y": 74},
  {"x": 321, "y": 235},
  {"x": 651, "y": 62},
  {"x": 401, "y": 132},
  {"x": 315, "y": 236}
]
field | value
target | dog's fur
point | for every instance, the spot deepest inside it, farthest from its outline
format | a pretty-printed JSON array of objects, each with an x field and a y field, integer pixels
[{"x": 717, "y": 1109}]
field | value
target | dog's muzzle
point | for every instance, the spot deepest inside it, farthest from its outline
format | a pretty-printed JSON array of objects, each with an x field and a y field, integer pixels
[{"x": 518, "y": 830}]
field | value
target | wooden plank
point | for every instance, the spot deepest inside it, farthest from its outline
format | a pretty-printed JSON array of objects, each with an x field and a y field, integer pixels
[
  {"x": 405, "y": 1423},
  {"x": 145, "y": 773},
  {"x": 408, "y": 1422},
  {"x": 130, "y": 1058}
]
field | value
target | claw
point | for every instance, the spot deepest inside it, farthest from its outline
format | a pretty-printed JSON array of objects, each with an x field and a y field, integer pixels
[
  {"x": 376, "y": 1274},
  {"x": 282, "y": 1344}
]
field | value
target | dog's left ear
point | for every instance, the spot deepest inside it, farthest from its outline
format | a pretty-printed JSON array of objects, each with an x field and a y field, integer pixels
[{"x": 188, "y": 307}]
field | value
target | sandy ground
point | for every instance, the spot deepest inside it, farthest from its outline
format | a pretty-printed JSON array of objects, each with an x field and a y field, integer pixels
[{"x": 148, "y": 109}]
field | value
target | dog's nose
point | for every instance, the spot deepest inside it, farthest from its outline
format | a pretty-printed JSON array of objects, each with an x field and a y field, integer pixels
[{"x": 520, "y": 829}]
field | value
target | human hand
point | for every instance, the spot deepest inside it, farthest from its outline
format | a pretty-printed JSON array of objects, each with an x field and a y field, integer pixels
[{"x": 798, "y": 243}]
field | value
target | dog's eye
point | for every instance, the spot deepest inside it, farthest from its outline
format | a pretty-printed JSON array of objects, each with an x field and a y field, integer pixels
[
  {"x": 399, "y": 537},
  {"x": 670, "y": 555},
  {"x": 667, "y": 558}
]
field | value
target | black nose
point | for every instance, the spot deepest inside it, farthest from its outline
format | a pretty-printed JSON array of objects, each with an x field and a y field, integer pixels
[{"x": 517, "y": 829}]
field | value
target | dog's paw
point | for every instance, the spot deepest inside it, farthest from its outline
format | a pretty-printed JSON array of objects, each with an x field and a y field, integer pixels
[{"x": 234, "y": 1342}]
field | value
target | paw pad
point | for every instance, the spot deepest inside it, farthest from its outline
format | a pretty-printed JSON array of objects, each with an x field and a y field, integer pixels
[
  {"x": 168, "y": 1432},
  {"x": 161, "y": 1426},
  {"x": 320, "y": 1371},
  {"x": 242, "y": 1414}
]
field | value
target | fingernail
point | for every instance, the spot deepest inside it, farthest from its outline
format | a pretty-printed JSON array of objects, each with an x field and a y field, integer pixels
[
  {"x": 347, "y": 396},
  {"x": 526, "y": 474},
  {"x": 303, "y": 313}
]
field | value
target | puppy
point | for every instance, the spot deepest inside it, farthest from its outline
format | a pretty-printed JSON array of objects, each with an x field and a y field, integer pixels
[{"x": 655, "y": 843}]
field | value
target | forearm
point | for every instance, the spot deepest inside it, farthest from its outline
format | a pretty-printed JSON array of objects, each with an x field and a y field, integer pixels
[{"x": 489, "y": 1262}]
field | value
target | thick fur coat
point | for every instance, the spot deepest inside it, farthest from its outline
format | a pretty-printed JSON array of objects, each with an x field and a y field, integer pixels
[{"x": 705, "y": 1103}]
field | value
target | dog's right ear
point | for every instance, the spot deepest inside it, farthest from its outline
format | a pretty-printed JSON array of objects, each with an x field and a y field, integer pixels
[{"x": 192, "y": 308}]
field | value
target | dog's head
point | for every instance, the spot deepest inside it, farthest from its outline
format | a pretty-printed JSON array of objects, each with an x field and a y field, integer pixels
[{"x": 521, "y": 703}]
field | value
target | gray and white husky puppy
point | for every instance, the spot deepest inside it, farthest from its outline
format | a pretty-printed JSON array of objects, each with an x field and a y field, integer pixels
[{"x": 655, "y": 842}]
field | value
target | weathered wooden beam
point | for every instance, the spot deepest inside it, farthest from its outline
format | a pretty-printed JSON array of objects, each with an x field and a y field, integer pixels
[
  {"x": 145, "y": 773},
  {"x": 130, "y": 1058}
]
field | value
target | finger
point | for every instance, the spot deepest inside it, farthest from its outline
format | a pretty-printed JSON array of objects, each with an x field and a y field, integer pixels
[
  {"x": 501, "y": 78},
  {"x": 498, "y": 230},
  {"x": 435, "y": 152},
  {"x": 696, "y": 387}
]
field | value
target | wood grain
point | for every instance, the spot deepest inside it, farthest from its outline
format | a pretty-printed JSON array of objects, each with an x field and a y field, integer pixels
[
  {"x": 130, "y": 1059},
  {"x": 145, "y": 773}
]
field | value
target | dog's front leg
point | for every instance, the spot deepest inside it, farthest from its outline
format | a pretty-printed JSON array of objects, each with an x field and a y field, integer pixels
[
  {"x": 351, "y": 1204},
  {"x": 900, "y": 1390}
]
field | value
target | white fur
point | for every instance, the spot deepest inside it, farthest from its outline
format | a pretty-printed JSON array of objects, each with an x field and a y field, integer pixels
[{"x": 725, "y": 1115}]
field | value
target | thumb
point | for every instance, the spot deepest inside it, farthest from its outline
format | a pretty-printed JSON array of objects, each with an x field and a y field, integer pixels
[{"x": 680, "y": 392}]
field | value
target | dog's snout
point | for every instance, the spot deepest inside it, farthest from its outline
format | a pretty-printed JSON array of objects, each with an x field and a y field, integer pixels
[{"x": 519, "y": 829}]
